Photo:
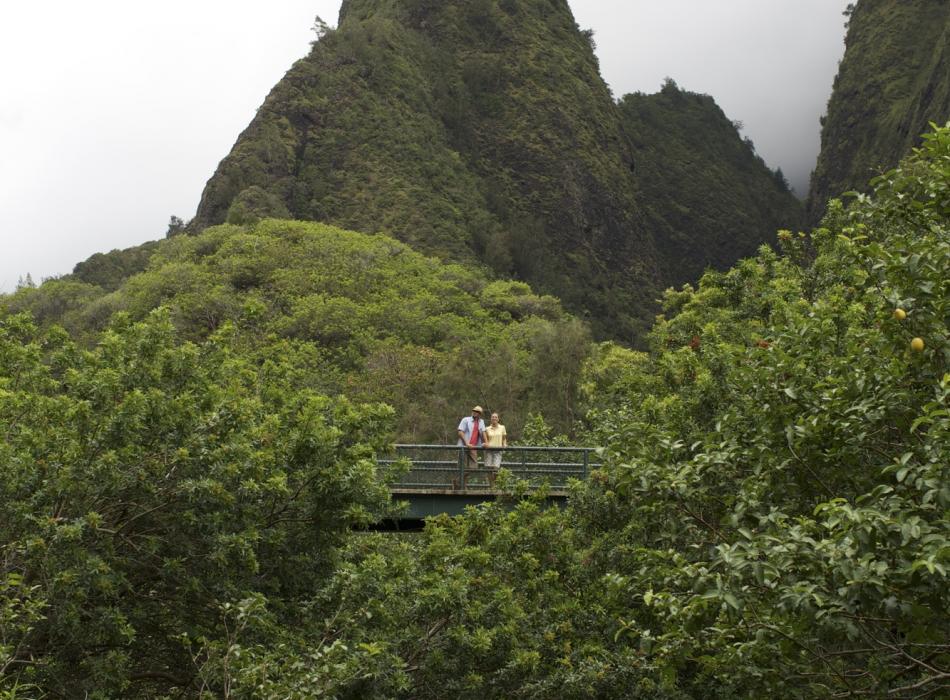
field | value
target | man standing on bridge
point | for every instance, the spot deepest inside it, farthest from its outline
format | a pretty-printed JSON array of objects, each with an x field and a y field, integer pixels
[{"x": 471, "y": 433}]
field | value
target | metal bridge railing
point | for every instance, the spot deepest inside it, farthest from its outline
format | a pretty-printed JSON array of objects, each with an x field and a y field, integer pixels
[{"x": 445, "y": 466}]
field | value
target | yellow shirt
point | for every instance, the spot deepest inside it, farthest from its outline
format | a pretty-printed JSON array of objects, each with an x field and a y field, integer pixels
[{"x": 495, "y": 436}]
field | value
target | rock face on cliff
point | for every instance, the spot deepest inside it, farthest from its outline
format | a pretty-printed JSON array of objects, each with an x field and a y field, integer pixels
[
  {"x": 481, "y": 131},
  {"x": 893, "y": 80}
]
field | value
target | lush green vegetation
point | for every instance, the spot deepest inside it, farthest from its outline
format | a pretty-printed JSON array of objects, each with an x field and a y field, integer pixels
[
  {"x": 109, "y": 270},
  {"x": 149, "y": 483},
  {"x": 352, "y": 314},
  {"x": 771, "y": 517},
  {"x": 481, "y": 130},
  {"x": 190, "y": 427},
  {"x": 771, "y": 520},
  {"x": 893, "y": 80}
]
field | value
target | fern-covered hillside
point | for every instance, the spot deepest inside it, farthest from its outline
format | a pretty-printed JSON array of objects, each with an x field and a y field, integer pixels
[
  {"x": 893, "y": 80},
  {"x": 481, "y": 131}
]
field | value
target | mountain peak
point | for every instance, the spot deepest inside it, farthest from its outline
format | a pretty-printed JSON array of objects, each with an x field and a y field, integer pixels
[{"x": 479, "y": 131}]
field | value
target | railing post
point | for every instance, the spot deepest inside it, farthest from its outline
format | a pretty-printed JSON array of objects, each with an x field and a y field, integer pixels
[
  {"x": 586, "y": 458},
  {"x": 461, "y": 480}
]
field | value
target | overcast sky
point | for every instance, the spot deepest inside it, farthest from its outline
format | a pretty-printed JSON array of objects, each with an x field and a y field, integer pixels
[{"x": 113, "y": 114}]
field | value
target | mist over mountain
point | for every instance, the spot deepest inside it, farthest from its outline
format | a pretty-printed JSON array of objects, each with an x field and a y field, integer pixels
[{"x": 706, "y": 197}]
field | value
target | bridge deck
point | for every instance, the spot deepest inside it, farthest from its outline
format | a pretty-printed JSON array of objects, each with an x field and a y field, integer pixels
[
  {"x": 439, "y": 479},
  {"x": 479, "y": 492}
]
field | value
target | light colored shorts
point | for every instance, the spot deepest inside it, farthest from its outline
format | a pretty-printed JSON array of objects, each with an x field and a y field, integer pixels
[{"x": 492, "y": 459}]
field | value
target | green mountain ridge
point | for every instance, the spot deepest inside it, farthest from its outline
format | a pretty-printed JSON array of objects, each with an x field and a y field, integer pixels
[
  {"x": 481, "y": 131},
  {"x": 694, "y": 174},
  {"x": 893, "y": 80}
]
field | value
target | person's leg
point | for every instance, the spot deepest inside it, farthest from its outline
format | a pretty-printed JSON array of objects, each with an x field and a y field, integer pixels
[
  {"x": 471, "y": 464},
  {"x": 492, "y": 462}
]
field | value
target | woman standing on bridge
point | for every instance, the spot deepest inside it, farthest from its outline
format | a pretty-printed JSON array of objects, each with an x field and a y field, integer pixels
[{"x": 496, "y": 439}]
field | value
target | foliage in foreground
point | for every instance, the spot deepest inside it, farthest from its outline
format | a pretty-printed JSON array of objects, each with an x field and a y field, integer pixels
[
  {"x": 148, "y": 488},
  {"x": 778, "y": 496}
]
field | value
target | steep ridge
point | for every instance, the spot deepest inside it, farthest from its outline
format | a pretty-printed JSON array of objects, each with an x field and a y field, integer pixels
[
  {"x": 893, "y": 80},
  {"x": 706, "y": 196},
  {"x": 479, "y": 131}
]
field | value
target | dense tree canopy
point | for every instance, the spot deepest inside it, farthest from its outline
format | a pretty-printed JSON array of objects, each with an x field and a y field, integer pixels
[
  {"x": 190, "y": 428},
  {"x": 151, "y": 485}
]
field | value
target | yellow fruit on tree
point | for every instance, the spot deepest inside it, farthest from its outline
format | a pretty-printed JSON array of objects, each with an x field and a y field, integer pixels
[
  {"x": 917, "y": 344},
  {"x": 900, "y": 314}
]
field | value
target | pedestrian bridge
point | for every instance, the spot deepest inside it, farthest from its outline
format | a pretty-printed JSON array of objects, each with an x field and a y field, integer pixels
[{"x": 439, "y": 480}]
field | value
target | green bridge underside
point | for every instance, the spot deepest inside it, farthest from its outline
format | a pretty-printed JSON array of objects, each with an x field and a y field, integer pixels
[{"x": 440, "y": 478}]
